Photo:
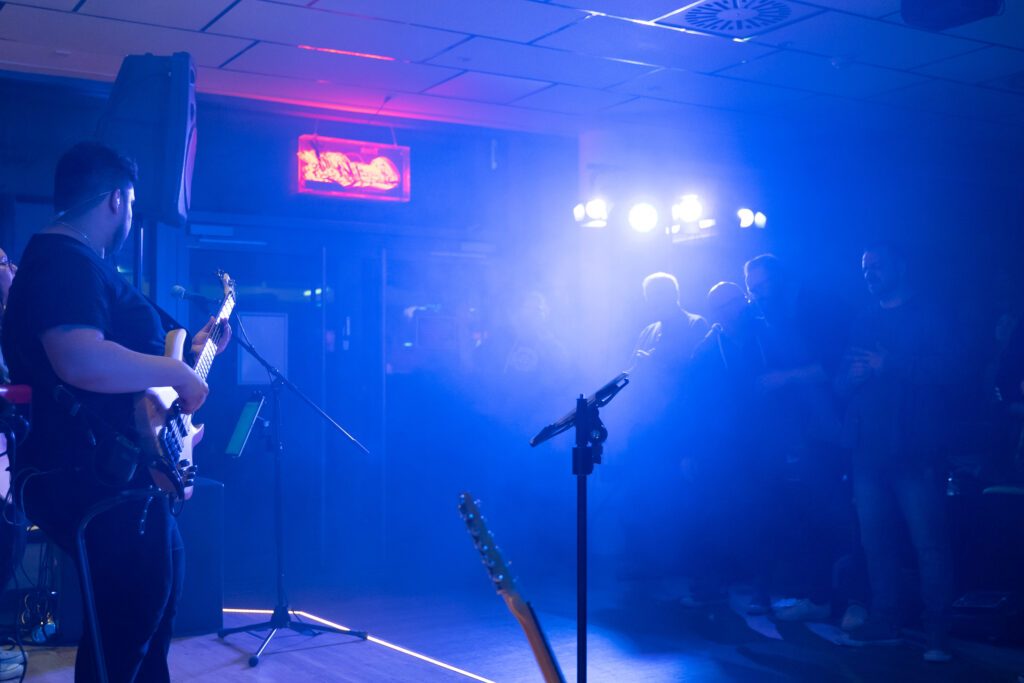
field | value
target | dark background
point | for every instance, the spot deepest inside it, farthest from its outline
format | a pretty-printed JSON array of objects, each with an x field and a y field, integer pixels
[{"x": 417, "y": 296}]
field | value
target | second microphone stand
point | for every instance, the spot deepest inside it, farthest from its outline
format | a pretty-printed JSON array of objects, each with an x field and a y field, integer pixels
[{"x": 281, "y": 618}]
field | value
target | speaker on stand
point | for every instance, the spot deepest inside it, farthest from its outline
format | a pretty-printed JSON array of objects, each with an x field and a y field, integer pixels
[{"x": 151, "y": 117}]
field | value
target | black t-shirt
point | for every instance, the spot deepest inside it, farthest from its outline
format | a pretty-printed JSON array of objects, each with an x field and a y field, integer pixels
[{"x": 62, "y": 281}]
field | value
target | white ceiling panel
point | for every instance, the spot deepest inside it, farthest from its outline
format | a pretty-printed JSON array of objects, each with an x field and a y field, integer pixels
[
  {"x": 66, "y": 5},
  {"x": 648, "y": 109},
  {"x": 78, "y": 32},
  {"x": 190, "y": 14},
  {"x": 537, "y": 63},
  {"x": 1005, "y": 29},
  {"x": 867, "y": 8},
  {"x": 478, "y": 113},
  {"x": 960, "y": 100},
  {"x": 646, "y": 10},
  {"x": 280, "y": 89},
  {"x": 817, "y": 74},
  {"x": 302, "y": 26},
  {"x": 482, "y": 87},
  {"x": 569, "y": 99},
  {"x": 866, "y": 40},
  {"x": 58, "y": 62},
  {"x": 986, "y": 64},
  {"x": 655, "y": 45},
  {"x": 711, "y": 91},
  {"x": 511, "y": 20},
  {"x": 292, "y": 62}
]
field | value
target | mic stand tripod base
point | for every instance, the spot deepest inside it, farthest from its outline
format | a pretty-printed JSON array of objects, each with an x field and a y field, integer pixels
[{"x": 281, "y": 618}]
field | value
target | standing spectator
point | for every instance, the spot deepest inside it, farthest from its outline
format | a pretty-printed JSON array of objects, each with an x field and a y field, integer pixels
[
  {"x": 898, "y": 375},
  {"x": 802, "y": 340}
]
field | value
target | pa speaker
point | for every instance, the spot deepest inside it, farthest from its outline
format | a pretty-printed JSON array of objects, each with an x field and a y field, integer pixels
[
  {"x": 938, "y": 15},
  {"x": 151, "y": 117}
]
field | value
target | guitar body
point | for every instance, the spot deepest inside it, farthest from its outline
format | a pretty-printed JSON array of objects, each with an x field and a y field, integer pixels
[
  {"x": 156, "y": 410},
  {"x": 166, "y": 436}
]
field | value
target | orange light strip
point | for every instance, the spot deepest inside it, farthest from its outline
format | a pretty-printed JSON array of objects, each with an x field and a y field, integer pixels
[
  {"x": 331, "y": 50},
  {"x": 372, "y": 639}
]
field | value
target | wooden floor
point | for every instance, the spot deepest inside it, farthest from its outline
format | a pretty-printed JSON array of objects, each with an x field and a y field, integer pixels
[{"x": 631, "y": 640}]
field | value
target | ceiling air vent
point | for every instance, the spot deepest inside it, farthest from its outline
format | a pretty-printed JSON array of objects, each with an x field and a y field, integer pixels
[{"x": 737, "y": 18}]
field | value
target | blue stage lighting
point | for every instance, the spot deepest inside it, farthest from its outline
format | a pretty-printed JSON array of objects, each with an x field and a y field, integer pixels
[
  {"x": 688, "y": 210},
  {"x": 643, "y": 217},
  {"x": 746, "y": 217},
  {"x": 760, "y": 220}
]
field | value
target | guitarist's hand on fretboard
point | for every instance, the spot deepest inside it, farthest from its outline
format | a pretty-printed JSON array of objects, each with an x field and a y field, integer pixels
[{"x": 220, "y": 333}]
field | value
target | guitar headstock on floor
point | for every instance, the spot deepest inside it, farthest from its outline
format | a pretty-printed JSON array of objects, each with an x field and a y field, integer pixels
[{"x": 490, "y": 554}]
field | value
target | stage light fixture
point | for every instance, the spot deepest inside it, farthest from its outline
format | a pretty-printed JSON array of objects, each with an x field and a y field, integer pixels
[
  {"x": 760, "y": 220},
  {"x": 593, "y": 214},
  {"x": 706, "y": 223},
  {"x": 643, "y": 217},
  {"x": 688, "y": 210},
  {"x": 746, "y": 217}
]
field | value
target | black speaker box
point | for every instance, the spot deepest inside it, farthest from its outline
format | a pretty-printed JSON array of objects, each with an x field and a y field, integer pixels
[
  {"x": 200, "y": 607},
  {"x": 939, "y": 15},
  {"x": 151, "y": 117}
]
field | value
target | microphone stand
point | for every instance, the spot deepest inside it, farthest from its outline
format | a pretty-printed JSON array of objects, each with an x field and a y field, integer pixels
[
  {"x": 590, "y": 437},
  {"x": 281, "y": 617}
]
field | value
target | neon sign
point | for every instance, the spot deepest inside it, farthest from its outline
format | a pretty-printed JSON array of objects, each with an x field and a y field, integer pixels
[{"x": 353, "y": 169}]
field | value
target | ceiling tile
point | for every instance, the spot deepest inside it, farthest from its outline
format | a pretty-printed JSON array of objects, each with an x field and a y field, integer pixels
[
  {"x": 646, "y": 10},
  {"x": 867, "y": 8},
  {"x": 292, "y": 62},
  {"x": 521, "y": 21},
  {"x": 845, "y": 36},
  {"x": 655, "y": 45},
  {"x": 711, "y": 91},
  {"x": 538, "y": 63},
  {"x": 280, "y": 89},
  {"x": 67, "y": 5},
  {"x": 478, "y": 113},
  {"x": 59, "y": 62},
  {"x": 107, "y": 36},
  {"x": 739, "y": 18},
  {"x": 193, "y": 14},
  {"x": 474, "y": 85},
  {"x": 569, "y": 99},
  {"x": 303, "y": 26},
  {"x": 647, "y": 106},
  {"x": 817, "y": 74},
  {"x": 957, "y": 99},
  {"x": 986, "y": 64}
]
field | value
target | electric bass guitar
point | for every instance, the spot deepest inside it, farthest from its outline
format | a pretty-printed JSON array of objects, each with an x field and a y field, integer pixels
[
  {"x": 498, "y": 570},
  {"x": 167, "y": 436}
]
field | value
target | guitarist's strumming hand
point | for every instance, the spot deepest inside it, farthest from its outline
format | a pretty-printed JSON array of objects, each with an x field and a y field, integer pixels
[
  {"x": 199, "y": 340},
  {"x": 192, "y": 391}
]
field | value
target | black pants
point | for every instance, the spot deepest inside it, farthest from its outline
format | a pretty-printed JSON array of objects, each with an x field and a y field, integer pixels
[{"x": 137, "y": 573}]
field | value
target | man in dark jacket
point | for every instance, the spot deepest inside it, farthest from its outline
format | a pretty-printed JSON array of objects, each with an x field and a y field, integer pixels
[{"x": 898, "y": 375}]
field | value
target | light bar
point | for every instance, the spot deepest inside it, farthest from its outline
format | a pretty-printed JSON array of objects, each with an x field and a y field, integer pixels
[{"x": 372, "y": 639}]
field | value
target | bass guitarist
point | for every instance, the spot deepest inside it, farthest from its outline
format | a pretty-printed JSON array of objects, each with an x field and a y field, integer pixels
[{"x": 87, "y": 342}]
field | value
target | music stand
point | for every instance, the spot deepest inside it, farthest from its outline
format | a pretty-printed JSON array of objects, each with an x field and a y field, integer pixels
[
  {"x": 590, "y": 437},
  {"x": 281, "y": 616}
]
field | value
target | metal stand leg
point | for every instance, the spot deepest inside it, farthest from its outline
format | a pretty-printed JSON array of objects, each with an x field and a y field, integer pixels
[{"x": 281, "y": 617}]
